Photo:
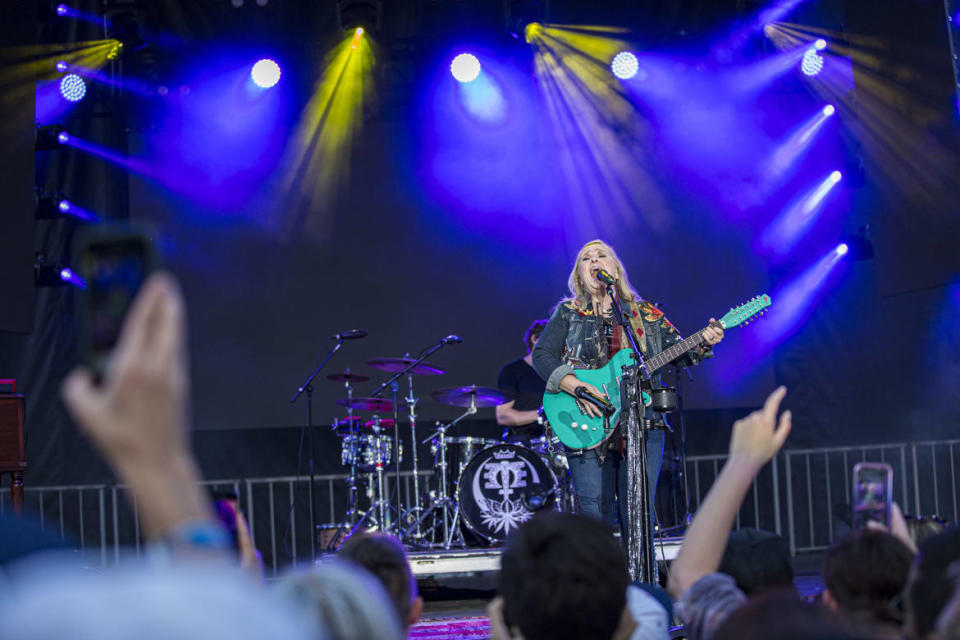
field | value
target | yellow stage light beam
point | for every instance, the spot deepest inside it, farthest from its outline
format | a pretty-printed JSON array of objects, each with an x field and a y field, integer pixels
[
  {"x": 318, "y": 156},
  {"x": 602, "y": 140},
  {"x": 35, "y": 63},
  {"x": 886, "y": 112}
]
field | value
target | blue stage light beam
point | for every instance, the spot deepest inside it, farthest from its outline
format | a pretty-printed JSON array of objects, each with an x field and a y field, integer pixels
[
  {"x": 265, "y": 73},
  {"x": 796, "y": 300},
  {"x": 787, "y": 154},
  {"x": 625, "y": 65},
  {"x": 74, "y": 211},
  {"x": 69, "y": 276},
  {"x": 465, "y": 67},
  {"x": 791, "y": 225}
]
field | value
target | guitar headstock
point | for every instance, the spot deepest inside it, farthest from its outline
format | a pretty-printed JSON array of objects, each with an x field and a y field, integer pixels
[{"x": 747, "y": 312}]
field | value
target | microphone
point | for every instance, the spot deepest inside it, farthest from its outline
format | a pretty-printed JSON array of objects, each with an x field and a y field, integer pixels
[
  {"x": 452, "y": 340},
  {"x": 351, "y": 334},
  {"x": 534, "y": 500},
  {"x": 600, "y": 403},
  {"x": 605, "y": 277}
]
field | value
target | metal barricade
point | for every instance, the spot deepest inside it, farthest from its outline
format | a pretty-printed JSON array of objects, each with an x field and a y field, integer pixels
[{"x": 804, "y": 495}]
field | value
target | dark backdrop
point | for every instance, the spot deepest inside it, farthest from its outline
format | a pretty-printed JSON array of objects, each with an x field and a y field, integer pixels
[{"x": 872, "y": 362}]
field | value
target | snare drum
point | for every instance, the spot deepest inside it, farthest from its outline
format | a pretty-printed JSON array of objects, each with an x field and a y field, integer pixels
[{"x": 501, "y": 487}]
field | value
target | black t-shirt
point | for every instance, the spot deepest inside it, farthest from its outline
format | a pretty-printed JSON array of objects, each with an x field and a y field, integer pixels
[{"x": 523, "y": 384}]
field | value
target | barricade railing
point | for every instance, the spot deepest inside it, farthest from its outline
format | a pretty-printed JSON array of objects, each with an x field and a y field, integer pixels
[{"x": 804, "y": 495}]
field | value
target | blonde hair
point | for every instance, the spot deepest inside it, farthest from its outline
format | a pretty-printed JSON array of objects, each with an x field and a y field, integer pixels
[
  {"x": 625, "y": 291},
  {"x": 579, "y": 292}
]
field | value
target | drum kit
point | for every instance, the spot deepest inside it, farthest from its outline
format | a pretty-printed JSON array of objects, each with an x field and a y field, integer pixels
[{"x": 483, "y": 488}]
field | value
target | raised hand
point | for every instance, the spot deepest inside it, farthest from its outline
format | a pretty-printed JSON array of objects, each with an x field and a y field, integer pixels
[
  {"x": 138, "y": 417},
  {"x": 759, "y": 436}
]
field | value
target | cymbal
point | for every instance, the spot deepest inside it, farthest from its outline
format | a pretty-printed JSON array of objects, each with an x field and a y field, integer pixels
[
  {"x": 461, "y": 396},
  {"x": 385, "y": 423},
  {"x": 367, "y": 404},
  {"x": 346, "y": 376},
  {"x": 395, "y": 365}
]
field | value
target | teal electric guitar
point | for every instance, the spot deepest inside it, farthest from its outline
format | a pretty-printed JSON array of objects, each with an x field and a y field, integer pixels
[{"x": 577, "y": 430}]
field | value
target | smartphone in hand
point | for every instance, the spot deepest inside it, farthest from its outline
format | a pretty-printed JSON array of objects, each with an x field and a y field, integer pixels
[
  {"x": 114, "y": 260},
  {"x": 872, "y": 494}
]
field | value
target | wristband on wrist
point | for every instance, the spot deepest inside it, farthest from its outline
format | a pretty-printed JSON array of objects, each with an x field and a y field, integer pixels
[{"x": 201, "y": 534}]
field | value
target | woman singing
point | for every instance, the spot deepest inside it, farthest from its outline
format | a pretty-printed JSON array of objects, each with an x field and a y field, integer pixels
[{"x": 583, "y": 334}]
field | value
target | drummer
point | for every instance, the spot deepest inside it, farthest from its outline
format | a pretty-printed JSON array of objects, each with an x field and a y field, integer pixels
[{"x": 518, "y": 379}]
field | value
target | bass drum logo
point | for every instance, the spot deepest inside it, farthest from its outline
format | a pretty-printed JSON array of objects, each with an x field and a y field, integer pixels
[{"x": 500, "y": 481}]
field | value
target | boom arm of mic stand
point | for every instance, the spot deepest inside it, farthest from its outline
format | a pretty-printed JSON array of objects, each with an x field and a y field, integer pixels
[
  {"x": 309, "y": 380},
  {"x": 400, "y": 374}
]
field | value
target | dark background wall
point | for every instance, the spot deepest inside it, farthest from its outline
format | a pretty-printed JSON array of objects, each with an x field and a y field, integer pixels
[{"x": 426, "y": 238}]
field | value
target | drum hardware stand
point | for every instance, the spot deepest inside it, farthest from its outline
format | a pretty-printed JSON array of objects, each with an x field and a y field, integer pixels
[
  {"x": 307, "y": 387},
  {"x": 380, "y": 506},
  {"x": 415, "y": 532},
  {"x": 443, "y": 501},
  {"x": 351, "y": 514},
  {"x": 414, "y": 512},
  {"x": 640, "y": 558}
]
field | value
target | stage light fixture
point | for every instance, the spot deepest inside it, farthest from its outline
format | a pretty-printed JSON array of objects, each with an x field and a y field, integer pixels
[
  {"x": 835, "y": 177},
  {"x": 625, "y": 65},
  {"x": 820, "y": 44},
  {"x": 829, "y": 110},
  {"x": 73, "y": 88},
  {"x": 62, "y": 66},
  {"x": 62, "y": 9},
  {"x": 55, "y": 274},
  {"x": 51, "y": 137},
  {"x": 265, "y": 73},
  {"x": 126, "y": 26},
  {"x": 359, "y": 13},
  {"x": 812, "y": 63},
  {"x": 859, "y": 245},
  {"x": 465, "y": 67},
  {"x": 842, "y": 249}
]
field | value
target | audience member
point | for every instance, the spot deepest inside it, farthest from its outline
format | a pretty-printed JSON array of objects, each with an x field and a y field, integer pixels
[
  {"x": 137, "y": 418},
  {"x": 757, "y": 560},
  {"x": 948, "y": 622},
  {"x": 383, "y": 556},
  {"x": 344, "y": 600},
  {"x": 930, "y": 587},
  {"x": 781, "y": 615},
  {"x": 864, "y": 575},
  {"x": 565, "y": 576},
  {"x": 919, "y": 528},
  {"x": 705, "y": 598},
  {"x": 47, "y": 600}
]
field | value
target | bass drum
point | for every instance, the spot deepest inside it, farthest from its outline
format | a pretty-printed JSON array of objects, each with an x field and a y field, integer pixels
[{"x": 501, "y": 487}]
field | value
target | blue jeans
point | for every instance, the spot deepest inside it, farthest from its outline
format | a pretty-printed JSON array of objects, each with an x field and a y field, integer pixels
[{"x": 602, "y": 488}]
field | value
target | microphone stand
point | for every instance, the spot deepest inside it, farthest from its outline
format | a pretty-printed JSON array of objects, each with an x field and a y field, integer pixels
[
  {"x": 392, "y": 383},
  {"x": 638, "y": 527},
  {"x": 307, "y": 387}
]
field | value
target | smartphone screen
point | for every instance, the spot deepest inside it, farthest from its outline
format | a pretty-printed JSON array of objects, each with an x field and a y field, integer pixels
[
  {"x": 114, "y": 264},
  {"x": 872, "y": 489}
]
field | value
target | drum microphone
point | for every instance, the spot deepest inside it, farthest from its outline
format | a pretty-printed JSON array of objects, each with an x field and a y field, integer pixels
[
  {"x": 452, "y": 340},
  {"x": 601, "y": 403},
  {"x": 534, "y": 501},
  {"x": 605, "y": 277},
  {"x": 351, "y": 334}
]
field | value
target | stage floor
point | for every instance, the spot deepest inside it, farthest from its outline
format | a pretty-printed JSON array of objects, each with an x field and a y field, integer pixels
[{"x": 456, "y": 604}]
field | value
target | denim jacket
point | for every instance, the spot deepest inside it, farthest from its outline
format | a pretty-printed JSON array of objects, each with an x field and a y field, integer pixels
[{"x": 574, "y": 339}]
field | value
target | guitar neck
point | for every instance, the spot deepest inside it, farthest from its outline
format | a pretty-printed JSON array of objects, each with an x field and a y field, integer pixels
[{"x": 674, "y": 352}]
